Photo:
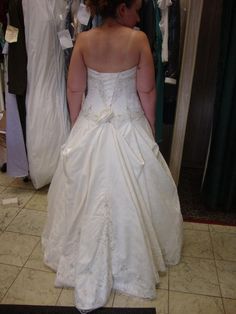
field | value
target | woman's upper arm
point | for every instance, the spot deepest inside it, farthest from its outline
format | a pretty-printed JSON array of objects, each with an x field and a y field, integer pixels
[
  {"x": 145, "y": 72},
  {"x": 77, "y": 75}
]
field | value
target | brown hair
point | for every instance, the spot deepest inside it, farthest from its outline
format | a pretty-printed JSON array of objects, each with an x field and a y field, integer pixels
[{"x": 106, "y": 8}]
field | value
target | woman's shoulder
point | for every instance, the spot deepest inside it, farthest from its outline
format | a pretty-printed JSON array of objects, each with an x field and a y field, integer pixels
[
  {"x": 83, "y": 38},
  {"x": 138, "y": 37},
  {"x": 84, "y": 35},
  {"x": 134, "y": 31}
]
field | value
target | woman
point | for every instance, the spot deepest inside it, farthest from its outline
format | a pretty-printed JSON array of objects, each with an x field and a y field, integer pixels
[{"x": 114, "y": 220}]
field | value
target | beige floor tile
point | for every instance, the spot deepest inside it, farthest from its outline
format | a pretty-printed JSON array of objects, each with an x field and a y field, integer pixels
[
  {"x": 194, "y": 275},
  {"x": 19, "y": 183},
  {"x": 2, "y": 188},
  {"x": 111, "y": 300},
  {"x": 160, "y": 303},
  {"x": 164, "y": 280},
  {"x": 7, "y": 275},
  {"x": 227, "y": 278},
  {"x": 28, "y": 222},
  {"x": 3, "y": 155},
  {"x": 23, "y": 196},
  {"x": 5, "y": 180},
  {"x": 184, "y": 303},
  {"x": 230, "y": 306},
  {"x": 224, "y": 229},
  {"x": 195, "y": 226},
  {"x": 44, "y": 189},
  {"x": 7, "y": 214},
  {"x": 15, "y": 248},
  {"x": 35, "y": 260},
  {"x": 224, "y": 245},
  {"x": 33, "y": 287},
  {"x": 38, "y": 201},
  {"x": 67, "y": 298},
  {"x": 197, "y": 244}
]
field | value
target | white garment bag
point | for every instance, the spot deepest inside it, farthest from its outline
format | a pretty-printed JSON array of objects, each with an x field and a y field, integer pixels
[{"x": 47, "y": 117}]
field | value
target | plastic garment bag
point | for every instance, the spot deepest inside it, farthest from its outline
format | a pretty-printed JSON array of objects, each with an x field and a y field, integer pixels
[{"x": 47, "y": 117}]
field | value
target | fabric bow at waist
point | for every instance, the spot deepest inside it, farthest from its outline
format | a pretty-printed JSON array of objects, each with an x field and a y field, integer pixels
[{"x": 107, "y": 115}]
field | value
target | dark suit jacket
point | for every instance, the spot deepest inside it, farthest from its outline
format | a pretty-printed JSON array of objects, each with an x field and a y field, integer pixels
[{"x": 17, "y": 56}]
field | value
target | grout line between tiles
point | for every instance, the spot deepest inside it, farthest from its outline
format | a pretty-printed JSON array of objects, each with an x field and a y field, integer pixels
[
  {"x": 32, "y": 189},
  {"x": 168, "y": 296},
  {"x": 5, "y": 228},
  {"x": 199, "y": 294},
  {"x": 223, "y": 232},
  {"x": 23, "y": 265},
  {"x": 113, "y": 301},
  {"x": 4, "y": 188},
  {"x": 209, "y": 259},
  {"x": 32, "y": 252},
  {"x": 20, "y": 188},
  {"x": 21, "y": 268},
  {"x": 197, "y": 230},
  {"x": 202, "y": 258},
  {"x": 23, "y": 233},
  {"x": 217, "y": 273},
  {"x": 59, "y": 296},
  {"x": 38, "y": 210}
]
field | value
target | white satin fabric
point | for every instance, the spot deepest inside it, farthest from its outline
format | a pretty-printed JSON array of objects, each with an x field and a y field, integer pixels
[
  {"x": 47, "y": 124},
  {"x": 114, "y": 219}
]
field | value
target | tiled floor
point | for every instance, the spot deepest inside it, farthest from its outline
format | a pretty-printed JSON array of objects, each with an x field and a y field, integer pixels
[{"x": 204, "y": 281}]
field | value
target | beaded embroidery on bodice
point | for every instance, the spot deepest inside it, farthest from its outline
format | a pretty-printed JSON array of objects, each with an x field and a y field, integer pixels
[{"x": 112, "y": 96}]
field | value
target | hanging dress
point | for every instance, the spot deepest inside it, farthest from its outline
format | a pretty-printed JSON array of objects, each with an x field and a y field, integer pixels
[{"x": 47, "y": 118}]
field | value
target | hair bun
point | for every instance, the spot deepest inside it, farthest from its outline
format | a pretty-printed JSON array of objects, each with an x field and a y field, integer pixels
[
  {"x": 106, "y": 8},
  {"x": 97, "y": 6}
]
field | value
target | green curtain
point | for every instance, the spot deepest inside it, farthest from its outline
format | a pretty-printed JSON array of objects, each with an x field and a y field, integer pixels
[{"x": 219, "y": 186}]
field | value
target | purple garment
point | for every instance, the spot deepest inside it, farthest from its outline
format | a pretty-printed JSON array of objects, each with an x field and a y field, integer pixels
[{"x": 17, "y": 163}]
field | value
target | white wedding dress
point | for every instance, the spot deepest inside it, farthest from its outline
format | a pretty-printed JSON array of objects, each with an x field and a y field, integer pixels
[{"x": 114, "y": 219}]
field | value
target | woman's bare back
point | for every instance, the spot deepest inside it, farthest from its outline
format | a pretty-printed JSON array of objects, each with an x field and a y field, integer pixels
[{"x": 110, "y": 49}]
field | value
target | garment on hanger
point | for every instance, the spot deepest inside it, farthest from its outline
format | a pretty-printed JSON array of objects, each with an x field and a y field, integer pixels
[
  {"x": 2, "y": 104},
  {"x": 47, "y": 116},
  {"x": 148, "y": 21},
  {"x": 3, "y": 18},
  {"x": 164, "y": 7},
  {"x": 17, "y": 62},
  {"x": 3, "y": 24},
  {"x": 3, "y": 11},
  {"x": 159, "y": 74},
  {"x": 172, "y": 67},
  {"x": 17, "y": 163},
  {"x": 69, "y": 27},
  {"x": 17, "y": 56}
]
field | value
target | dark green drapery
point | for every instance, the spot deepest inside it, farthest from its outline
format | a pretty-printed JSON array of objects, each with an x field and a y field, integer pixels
[{"x": 219, "y": 187}]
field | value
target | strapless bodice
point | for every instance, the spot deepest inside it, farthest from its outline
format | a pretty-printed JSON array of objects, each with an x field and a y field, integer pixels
[{"x": 111, "y": 95}]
